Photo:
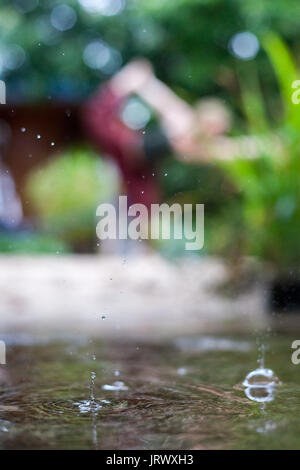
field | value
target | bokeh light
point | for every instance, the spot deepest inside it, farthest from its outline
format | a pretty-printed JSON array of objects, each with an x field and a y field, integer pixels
[
  {"x": 103, "y": 7},
  {"x": 135, "y": 114},
  {"x": 63, "y": 17},
  {"x": 244, "y": 45}
]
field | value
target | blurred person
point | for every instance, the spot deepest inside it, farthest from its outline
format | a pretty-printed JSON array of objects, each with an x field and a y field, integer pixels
[
  {"x": 137, "y": 152},
  {"x": 11, "y": 213},
  {"x": 195, "y": 134}
]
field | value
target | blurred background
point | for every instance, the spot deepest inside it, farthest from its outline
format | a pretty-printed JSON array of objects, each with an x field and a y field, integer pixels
[
  {"x": 142, "y": 344},
  {"x": 55, "y": 54}
]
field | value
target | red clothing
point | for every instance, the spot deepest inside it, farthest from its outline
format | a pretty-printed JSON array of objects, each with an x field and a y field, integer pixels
[{"x": 103, "y": 124}]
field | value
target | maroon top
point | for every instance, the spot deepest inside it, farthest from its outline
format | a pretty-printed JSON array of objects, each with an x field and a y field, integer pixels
[{"x": 101, "y": 120}]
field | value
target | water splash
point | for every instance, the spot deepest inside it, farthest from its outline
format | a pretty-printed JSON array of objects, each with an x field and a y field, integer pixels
[
  {"x": 92, "y": 405},
  {"x": 89, "y": 406}
]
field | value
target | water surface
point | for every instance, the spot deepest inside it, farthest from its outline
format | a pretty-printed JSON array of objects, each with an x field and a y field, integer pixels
[{"x": 183, "y": 394}]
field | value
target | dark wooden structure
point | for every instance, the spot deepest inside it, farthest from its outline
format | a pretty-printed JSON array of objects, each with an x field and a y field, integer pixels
[{"x": 29, "y": 135}]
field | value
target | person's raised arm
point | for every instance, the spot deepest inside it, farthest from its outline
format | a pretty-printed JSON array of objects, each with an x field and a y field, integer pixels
[{"x": 177, "y": 117}]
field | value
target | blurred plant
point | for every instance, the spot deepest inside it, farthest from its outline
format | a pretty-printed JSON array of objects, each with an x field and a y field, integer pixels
[
  {"x": 29, "y": 243},
  {"x": 269, "y": 215},
  {"x": 195, "y": 184},
  {"x": 64, "y": 49},
  {"x": 66, "y": 192}
]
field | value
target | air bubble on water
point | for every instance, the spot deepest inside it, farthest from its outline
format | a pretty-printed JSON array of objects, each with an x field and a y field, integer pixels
[
  {"x": 103, "y": 317},
  {"x": 38, "y": 136},
  {"x": 52, "y": 144},
  {"x": 115, "y": 387},
  {"x": 23, "y": 129},
  {"x": 166, "y": 174},
  {"x": 261, "y": 385},
  {"x": 260, "y": 377},
  {"x": 142, "y": 192}
]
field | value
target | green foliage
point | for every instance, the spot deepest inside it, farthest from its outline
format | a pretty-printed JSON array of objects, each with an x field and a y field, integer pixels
[
  {"x": 29, "y": 243},
  {"x": 186, "y": 40},
  {"x": 66, "y": 192},
  {"x": 270, "y": 185}
]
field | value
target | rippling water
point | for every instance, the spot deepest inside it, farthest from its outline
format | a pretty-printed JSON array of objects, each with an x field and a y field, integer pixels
[{"x": 184, "y": 394}]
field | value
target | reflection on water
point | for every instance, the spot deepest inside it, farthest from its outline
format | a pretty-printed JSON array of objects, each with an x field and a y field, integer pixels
[
  {"x": 260, "y": 394},
  {"x": 61, "y": 395}
]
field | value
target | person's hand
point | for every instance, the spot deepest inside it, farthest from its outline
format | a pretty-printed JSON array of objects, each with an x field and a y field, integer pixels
[
  {"x": 188, "y": 149},
  {"x": 132, "y": 77}
]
